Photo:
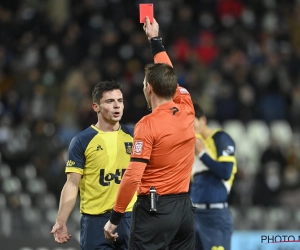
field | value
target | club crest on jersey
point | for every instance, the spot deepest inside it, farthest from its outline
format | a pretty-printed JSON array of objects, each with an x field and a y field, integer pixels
[
  {"x": 138, "y": 147},
  {"x": 128, "y": 147}
]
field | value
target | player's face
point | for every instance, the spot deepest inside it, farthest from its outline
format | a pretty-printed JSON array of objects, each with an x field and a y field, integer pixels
[
  {"x": 146, "y": 93},
  {"x": 111, "y": 106},
  {"x": 199, "y": 125}
]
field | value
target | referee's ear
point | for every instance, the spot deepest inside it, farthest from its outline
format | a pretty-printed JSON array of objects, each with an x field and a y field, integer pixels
[
  {"x": 149, "y": 88},
  {"x": 148, "y": 85}
]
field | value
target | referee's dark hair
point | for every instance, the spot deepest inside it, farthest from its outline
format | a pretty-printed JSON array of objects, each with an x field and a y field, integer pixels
[
  {"x": 198, "y": 110},
  {"x": 162, "y": 78}
]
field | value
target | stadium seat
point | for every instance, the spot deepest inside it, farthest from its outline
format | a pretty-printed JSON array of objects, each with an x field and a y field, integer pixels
[
  {"x": 213, "y": 124},
  {"x": 36, "y": 186},
  {"x": 255, "y": 218},
  {"x": 6, "y": 222},
  {"x": 75, "y": 216},
  {"x": 281, "y": 131},
  {"x": 26, "y": 172},
  {"x": 33, "y": 224},
  {"x": 19, "y": 200},
  {"x": 297, "y": 215},
  {"x": 236, "y": 216},
  {"x": 61, "y": 248},
  {"x": 32, "y": 220},
  {"x": 11, "y": 185},
  {"x": 236, "y": 129},
  {"x": 5, "y": 171},
  {"x": 25, "y": 200},
  {"x": 278, "y": 218},
  {"x": 76, "y": 236},
  {"x": 50, "y": 215},
  {"x": 3, "y": 202},
  {"x": 45, "y": 201},
  {"x": 246, "y": 149},
  {"x": 259, "y": 132},
  {"x": 295, "y": 220},
  {"x": 74, "y": 219}
]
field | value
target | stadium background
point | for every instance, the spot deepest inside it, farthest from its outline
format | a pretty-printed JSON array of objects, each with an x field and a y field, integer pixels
[{"x": 239, "y": 59}]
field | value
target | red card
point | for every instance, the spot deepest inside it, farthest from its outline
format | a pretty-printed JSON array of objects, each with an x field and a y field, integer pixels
[{"x": 146, "y": 9}]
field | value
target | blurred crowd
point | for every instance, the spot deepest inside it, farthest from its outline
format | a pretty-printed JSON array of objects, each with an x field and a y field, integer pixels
[{"x": 239, "y": 59}]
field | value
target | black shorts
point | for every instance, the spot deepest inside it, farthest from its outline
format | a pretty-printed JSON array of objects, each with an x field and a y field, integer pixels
[{"x": 171, "y": 227}]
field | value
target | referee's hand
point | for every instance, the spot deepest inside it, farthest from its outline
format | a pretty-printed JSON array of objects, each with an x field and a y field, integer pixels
[
  {"x": 151, "y": 29},
  {"x": 109, "y": 231}
]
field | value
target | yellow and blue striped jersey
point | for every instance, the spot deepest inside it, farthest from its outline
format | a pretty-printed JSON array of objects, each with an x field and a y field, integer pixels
[
  {"x": 213, "y": 173},
  {"x": 101, "y": 158}
]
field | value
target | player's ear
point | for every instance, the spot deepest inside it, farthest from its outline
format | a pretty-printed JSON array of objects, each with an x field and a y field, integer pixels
[{"x": 96, "y": 107}]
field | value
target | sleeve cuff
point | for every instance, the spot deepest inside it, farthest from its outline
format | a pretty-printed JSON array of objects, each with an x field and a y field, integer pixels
[
  {"x": 156, "y": 45},
  {"x": 115, "y": 217},
  {"x": 201, "y": 154}
]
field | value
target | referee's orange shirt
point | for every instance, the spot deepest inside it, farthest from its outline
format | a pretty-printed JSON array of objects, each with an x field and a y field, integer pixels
[{"x": 163, "y": 149}]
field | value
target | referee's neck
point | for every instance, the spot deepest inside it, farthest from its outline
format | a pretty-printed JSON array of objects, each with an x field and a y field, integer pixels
[{"x": 157, "y": 101}]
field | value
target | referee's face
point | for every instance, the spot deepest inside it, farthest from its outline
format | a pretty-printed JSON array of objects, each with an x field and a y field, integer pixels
[{"x": 111, "y": 106}]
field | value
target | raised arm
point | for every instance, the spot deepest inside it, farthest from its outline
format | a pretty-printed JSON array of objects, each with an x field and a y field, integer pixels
[
  {"x": 158, "y": 50},
  {"x": 159, "y": 54}
]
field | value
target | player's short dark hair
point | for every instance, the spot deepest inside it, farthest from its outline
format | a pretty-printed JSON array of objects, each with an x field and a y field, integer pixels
[
  {"x": 162, "y": 78},
  {"x": 102, "y": 87},
  {"x": 198, "y": 110}
]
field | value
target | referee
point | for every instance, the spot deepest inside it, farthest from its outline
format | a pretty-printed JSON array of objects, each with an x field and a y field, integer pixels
[{"x": 161, "y": 161}]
